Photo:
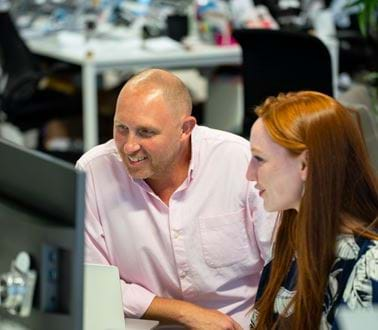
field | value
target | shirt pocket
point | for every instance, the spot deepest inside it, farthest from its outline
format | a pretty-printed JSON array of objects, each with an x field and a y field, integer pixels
[{"x": 224, "y": 239}]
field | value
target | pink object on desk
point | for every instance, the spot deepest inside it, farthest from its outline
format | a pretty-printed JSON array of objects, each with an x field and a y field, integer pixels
[{"x": 224, "y": 40}]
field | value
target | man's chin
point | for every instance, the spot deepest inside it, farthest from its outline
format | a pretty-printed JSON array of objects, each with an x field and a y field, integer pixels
[{"x": 137, "y": 175}]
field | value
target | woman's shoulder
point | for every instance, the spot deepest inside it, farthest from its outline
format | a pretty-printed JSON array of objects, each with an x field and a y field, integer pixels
[
  {"x": 351, "y": 247},
  {"x": 369, "y": 259},
  {"x": 362, "y": 286}
]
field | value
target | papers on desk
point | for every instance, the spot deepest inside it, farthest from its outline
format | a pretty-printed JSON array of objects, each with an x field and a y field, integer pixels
[
  {"x": 76, "y": 42},
  {"x": 163, "y": 44}
]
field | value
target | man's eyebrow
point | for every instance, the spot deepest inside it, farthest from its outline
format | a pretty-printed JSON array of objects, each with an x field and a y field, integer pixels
[
  {"x": 141, "y": 127},
  {"x": 147, "y": 128}
]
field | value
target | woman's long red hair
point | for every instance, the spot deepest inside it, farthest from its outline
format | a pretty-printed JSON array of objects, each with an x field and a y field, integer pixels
[{"x": 341, "y": 184}]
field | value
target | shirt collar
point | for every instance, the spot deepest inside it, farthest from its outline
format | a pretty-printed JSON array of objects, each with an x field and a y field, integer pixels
[{"x": 195, "y": 152}]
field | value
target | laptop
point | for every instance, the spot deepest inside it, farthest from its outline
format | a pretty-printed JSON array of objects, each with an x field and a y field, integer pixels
[{"x": 103, "y": 301}]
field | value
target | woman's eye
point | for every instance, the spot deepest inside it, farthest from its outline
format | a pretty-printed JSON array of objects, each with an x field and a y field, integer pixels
[{"x": 258, "y": 158}]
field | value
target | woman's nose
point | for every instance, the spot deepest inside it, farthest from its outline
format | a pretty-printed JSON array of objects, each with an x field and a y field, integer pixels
[{"x": 251, "y": 171}]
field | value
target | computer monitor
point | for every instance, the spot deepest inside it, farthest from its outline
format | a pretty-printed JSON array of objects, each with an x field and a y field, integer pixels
[{"x": 42, "y": 214}]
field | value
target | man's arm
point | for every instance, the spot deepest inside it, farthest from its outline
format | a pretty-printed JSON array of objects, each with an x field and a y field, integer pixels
[
  {"x": 138, "y": 299},
  {"x": 191, "y": 316}
]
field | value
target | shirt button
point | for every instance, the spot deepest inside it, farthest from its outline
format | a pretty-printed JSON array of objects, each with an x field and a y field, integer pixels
[
  {"x": 183, "y": 274},
  {"x": 176, "y": 234}
]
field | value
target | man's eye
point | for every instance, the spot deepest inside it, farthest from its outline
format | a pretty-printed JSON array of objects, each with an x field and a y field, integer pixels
[
  {"x": 121, "y": 128},
  {"x": 146, "y": 133}
]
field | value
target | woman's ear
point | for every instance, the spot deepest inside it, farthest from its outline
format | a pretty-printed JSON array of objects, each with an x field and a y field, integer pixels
[{"x": 304, "y": 164}]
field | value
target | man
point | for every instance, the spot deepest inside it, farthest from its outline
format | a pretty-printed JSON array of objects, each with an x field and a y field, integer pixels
[{"x": 168, "y": 204}]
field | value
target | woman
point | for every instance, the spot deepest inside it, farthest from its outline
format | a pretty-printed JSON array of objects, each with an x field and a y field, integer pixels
[{"x": 310, "y": 164}]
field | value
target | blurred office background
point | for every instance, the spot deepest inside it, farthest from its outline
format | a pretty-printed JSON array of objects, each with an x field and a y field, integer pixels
[{"x": 50, "y": 50}]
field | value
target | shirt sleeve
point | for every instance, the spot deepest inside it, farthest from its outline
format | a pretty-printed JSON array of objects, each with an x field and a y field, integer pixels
[
  {"x": 136, "y": 298},
  {"x": 263, "y": 223}
]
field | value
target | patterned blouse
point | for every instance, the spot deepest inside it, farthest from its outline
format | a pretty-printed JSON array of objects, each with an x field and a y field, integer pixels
[{"x": 361, "y": 286}]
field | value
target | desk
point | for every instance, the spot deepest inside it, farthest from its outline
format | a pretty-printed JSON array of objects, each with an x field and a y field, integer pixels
[
  {"x": 130, "y": 324},
  {"x": 137, "y": 324},
  {"x": 125, "y": 58}
]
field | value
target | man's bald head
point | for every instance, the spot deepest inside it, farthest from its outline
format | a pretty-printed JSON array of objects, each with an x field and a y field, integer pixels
[
  {"x": 153, "y": 127},
  {"x": 157, "y": 82}
]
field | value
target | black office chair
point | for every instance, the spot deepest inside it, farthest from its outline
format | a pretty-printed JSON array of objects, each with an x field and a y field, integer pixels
[
  {"x": 277, "y": 61},
  {"x": 26, "y": 103}
]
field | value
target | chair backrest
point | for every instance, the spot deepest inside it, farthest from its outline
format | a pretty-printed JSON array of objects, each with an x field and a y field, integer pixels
[
  {"x": 18, "y": 64},
  {"x": 15, "y": 57},
  {"x": 368, "y": 123},
  {"x": 277, "y": 61},
  {"x": 25, "y": 103},
  {"x": 358, "y": 99}
]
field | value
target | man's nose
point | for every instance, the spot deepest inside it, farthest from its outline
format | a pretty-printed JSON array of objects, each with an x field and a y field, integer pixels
[{"x": 132, "y": 145}]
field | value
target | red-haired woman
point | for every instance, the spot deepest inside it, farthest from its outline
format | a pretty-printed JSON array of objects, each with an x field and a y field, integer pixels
[{"x": 310, "y": 164}]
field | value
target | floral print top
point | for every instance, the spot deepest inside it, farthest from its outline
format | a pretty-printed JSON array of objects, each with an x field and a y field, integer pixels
[{"x": 360, "y": 287}]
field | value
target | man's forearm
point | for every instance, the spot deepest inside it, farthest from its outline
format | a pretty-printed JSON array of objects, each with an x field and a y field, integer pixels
[
  {"x": 172, "y": 311},
  {"x": 169, "y": 311}
]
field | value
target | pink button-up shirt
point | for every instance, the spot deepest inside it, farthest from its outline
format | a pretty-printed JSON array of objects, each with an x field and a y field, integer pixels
[{"x": 207, "y": 247}]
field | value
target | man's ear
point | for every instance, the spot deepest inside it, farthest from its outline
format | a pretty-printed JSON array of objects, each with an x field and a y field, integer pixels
[
  {"x": 188, "y": 125},
  {"x": 303, "y": 157}
]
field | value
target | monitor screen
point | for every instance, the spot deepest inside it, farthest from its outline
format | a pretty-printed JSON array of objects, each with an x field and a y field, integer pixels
[{"x": 41, "y": 241}]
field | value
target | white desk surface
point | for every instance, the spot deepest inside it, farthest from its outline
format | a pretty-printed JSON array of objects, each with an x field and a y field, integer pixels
[
  {"x": 100, "y": 55},
  {"x": 122, "y": 55},
  {"x": 136, "y": 324},
  {"x": 130, "y": 324}
]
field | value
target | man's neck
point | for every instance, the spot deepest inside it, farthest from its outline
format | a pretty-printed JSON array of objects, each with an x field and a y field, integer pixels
[{"x": 165, "y": 186}]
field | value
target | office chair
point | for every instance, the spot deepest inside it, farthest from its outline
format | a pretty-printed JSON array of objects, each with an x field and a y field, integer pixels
[
  {"x": 24, "y": 101},
  {"x": 360, "y": 103},
  {"x": 277, "y": 61}
]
